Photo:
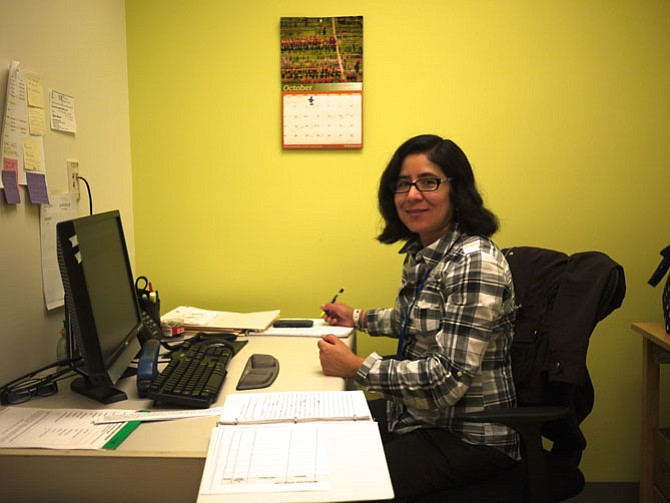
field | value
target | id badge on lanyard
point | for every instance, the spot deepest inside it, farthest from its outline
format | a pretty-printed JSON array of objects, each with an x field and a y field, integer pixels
[{"x": 405, "y": 325}]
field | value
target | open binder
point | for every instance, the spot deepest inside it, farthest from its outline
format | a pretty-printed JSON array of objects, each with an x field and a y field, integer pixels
[
  {"x": 295, "y": 407},
  {"x": 295, "y": 446}
]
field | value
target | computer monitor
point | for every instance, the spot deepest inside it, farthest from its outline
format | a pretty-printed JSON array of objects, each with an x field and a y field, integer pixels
[{"x": 101, "y": 309}]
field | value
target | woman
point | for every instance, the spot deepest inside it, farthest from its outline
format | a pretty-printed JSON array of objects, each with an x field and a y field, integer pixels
[{"x": 453, "y": 319}]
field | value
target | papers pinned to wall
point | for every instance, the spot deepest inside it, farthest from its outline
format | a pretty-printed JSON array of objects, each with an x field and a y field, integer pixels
[
  {"x": 62, "y": 112},
  {"x": 21, "y": 143}
]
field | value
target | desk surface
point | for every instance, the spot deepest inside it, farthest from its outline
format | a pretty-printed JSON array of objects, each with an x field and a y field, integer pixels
[
  {"x": 655, "y": 332},
  {"x": 655, "y": 341},
  {"x": 161, "y": 461}
]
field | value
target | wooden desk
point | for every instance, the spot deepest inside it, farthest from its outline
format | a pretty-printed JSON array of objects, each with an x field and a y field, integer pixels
[
  {"x": 656, "y": 342},
  {"x": 160, "y": 461}
]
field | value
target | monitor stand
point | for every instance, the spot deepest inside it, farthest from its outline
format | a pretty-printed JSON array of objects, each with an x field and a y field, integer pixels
[{"x": 100, "y": 393}]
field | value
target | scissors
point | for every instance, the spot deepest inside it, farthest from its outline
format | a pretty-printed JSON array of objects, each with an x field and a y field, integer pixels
[{"x": 142, "y": 285}]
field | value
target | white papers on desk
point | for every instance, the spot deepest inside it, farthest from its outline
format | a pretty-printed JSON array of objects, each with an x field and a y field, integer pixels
[
  {"x": 319, "y": 328},
  {"x": 266, "y": 459},
  {"x": 25, "y": 427},
  {"x": 194, "y": 318},
  {"x": 295, "y": 407},
  {"x": 292, "y": 460},
  {"x": 162, "y": 415},
  {"x": 325, "y": 468}
]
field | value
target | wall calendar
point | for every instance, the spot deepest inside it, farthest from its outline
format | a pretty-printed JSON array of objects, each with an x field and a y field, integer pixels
[{"x": 322, "y": 82}]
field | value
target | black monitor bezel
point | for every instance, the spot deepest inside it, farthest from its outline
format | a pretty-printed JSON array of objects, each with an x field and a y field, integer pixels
[{"x": 99, "y": 373}]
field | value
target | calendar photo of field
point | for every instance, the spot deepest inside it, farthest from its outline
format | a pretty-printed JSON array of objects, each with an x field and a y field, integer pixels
[{"x": 325, "y": 50}]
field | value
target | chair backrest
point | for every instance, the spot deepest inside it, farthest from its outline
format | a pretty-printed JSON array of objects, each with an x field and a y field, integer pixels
[{"x": 561, "y": 299}]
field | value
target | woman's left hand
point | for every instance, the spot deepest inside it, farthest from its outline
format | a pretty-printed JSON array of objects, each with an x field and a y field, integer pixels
[{"x": 336, "y": 357}]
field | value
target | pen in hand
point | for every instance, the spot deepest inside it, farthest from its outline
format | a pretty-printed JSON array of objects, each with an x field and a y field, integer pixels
[
  {"x": 332, "y": 301},
  {"x": 341, "y": 290}
]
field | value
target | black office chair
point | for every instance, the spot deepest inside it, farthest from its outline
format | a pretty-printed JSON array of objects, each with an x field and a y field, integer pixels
[{"x": 561, "y": 299}]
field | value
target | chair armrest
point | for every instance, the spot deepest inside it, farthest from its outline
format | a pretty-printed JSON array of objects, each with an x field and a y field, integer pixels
[{"x": 518, "y": 416}]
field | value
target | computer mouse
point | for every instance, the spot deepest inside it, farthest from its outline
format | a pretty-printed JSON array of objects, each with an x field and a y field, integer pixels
[
  {"x": 217, "y": 343},
  {"x": 205, "y": 336}
]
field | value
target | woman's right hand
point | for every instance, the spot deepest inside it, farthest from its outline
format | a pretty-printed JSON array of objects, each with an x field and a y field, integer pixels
[{"x": 337, "y": 313}]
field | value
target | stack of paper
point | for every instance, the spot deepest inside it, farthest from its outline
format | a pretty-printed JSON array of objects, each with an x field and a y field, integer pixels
[
  {"x": 194, "y": 318},
  {"x": 295, "y": 407},
  {"x": 26, "y": 427},
  {"x": 318, "y": 328}
]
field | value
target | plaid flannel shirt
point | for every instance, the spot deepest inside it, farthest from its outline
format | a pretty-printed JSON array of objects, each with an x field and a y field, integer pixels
[{"x": 455, "y": 356}]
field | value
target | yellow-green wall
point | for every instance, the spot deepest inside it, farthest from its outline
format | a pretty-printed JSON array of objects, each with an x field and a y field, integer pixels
[{"x": 562, "y": 107}]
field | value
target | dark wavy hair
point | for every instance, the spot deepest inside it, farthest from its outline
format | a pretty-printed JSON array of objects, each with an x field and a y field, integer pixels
[{"x": 469, "y": 211}]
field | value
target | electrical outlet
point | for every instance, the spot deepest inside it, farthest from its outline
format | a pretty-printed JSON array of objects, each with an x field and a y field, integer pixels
[{"x": 73, "y": 176}]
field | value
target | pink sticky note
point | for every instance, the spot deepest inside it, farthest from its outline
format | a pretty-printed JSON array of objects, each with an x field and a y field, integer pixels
[{"x": 10, "y": 164}]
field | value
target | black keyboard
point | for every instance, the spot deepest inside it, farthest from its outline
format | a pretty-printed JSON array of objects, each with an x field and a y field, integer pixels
[{"x": 195, "y": 375}]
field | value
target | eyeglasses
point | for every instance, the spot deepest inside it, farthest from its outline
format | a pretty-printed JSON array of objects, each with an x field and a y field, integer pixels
[
  {"x": 28, "y": 390},
  {"x": 422, "y": 185},
  {"x": 29, "y": 386}
]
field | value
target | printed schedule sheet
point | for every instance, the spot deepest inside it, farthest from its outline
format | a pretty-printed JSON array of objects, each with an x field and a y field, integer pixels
[{"x": 281, "y": 457}]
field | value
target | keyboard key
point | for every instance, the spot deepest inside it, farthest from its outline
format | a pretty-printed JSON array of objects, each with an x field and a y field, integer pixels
[{"x": 194, "y": 377}]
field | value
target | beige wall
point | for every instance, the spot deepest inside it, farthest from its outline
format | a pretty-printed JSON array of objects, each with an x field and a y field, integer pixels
[{"x": 78, "y": 47}]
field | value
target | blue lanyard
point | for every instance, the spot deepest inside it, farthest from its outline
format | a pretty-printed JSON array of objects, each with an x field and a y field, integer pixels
[{"x": 405, "y": 325}]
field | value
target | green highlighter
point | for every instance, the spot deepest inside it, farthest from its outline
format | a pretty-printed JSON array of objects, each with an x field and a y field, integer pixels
[{"x": 122, "y": 434}]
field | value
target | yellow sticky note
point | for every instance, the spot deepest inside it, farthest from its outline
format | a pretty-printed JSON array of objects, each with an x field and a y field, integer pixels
[
  {"x": 35, "y": 90},
  {"x": 36, "y": 121},
  {"x": 32, "y": 155}
]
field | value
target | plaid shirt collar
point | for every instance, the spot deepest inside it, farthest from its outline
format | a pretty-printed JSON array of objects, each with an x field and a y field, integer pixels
[{"x": 434, "y": 252}]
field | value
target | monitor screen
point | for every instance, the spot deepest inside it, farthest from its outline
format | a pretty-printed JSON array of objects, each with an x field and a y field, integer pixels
[{"x": 101, "y": 307}]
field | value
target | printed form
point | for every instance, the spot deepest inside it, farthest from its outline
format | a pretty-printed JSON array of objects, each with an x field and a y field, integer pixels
[
  {"x": 24, "y": 427},
  {"x": 295, "y": 406},
  {"x": 281, "y": 457},
  {"x": 280, "y": 442}
]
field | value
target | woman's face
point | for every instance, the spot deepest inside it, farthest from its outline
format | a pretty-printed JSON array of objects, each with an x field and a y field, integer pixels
[{"x": 428, "y": 214}]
